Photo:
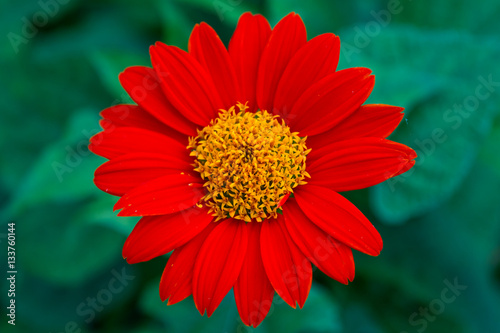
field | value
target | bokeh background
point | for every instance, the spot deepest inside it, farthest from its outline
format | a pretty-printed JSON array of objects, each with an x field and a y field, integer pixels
[{"x": 440, "y": 222}]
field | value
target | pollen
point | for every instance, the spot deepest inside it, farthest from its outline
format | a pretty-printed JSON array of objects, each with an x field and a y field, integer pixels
[{"x": 250, "y": 163}]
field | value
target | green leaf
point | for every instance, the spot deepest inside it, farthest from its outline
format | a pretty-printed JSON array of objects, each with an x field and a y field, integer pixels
[
  {"x": 64, "y": 170},
  {"x": 320, "y": 16},
  {"x": 44, "y": 306},
  {"x": 64, "y": 248},
  {"x": 23, "y": 21},
  {"x": 108, "y": 29},
  {"x": 457, "y": 241},
  {"x": 389, "y": 90},
  {"x": 489, "y": 151},
  {"x": 176, "y": 25},
  {"x": 224, "y": 318},
  {"x": 446, "y": 150},
  {"x": 219, "y": 14},
  {"x": 465, "y": 15},
  {"x": 447, "y": 141},
  {"x": 319, "y": 314},
  {"x": 39, "y": 97},
  {"x": 100, "y": 212},
  {"x": 358, "y": 318},
  {"x": 110, "y": 64},
  {"x": 51, "y": 206}
]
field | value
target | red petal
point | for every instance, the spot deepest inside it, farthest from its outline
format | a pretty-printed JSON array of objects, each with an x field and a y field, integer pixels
[
  {"x": 166, "y": 195},
  {"x": 125, "y": 172},
  {"x": 253, "y": 292},
  {"x": 245, "y": 49},
  {"x": 407, "y": 166},
  {"x": 126, "y": 140},
  {"x": 288, "y": 270},
  {"x": 177, "y": 280},
  {"x": 124, "y": 115},
  {"x": 219, "y": 264},
  {"x": 283, "y": 200},
  {"x": 144, "y": 87},
  {"x": 373, "y": 120},
  {"x": 358, "y": 163},
  {"x": 339, "y": 218},
  {"x": 330, "y": 256},
  {"x": 330, "y": 100},
  {"x": 287, "y": 38},
  {"x": 206, "y": 46},
  {"x": 186, "y": 83},
  {"x": 314, "y": 61},
  {"x": 154, "y": 236}
]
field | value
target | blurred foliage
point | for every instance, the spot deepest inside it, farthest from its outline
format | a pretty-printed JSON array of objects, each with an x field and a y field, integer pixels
[{"x": 440, "y": 222}]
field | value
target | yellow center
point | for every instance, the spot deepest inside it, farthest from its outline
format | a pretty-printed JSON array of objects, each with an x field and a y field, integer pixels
[{"x": 250, "y": 163}]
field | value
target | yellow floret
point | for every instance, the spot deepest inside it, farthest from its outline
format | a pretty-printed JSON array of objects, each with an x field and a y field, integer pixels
[{"x": 249, "y": 161}]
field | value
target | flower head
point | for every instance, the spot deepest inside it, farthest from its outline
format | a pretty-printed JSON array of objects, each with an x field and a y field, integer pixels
[{"x": 234, "y": 159}]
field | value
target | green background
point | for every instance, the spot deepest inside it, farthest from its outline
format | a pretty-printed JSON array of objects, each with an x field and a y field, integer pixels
[{"x": 440, "y": 222}]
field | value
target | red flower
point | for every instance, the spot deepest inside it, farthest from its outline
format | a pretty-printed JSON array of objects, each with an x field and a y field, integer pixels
[{"x": 213, "y": 156}]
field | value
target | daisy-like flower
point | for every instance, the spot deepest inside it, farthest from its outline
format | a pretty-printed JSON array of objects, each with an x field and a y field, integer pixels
[{"x": 234, "y": 159}]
